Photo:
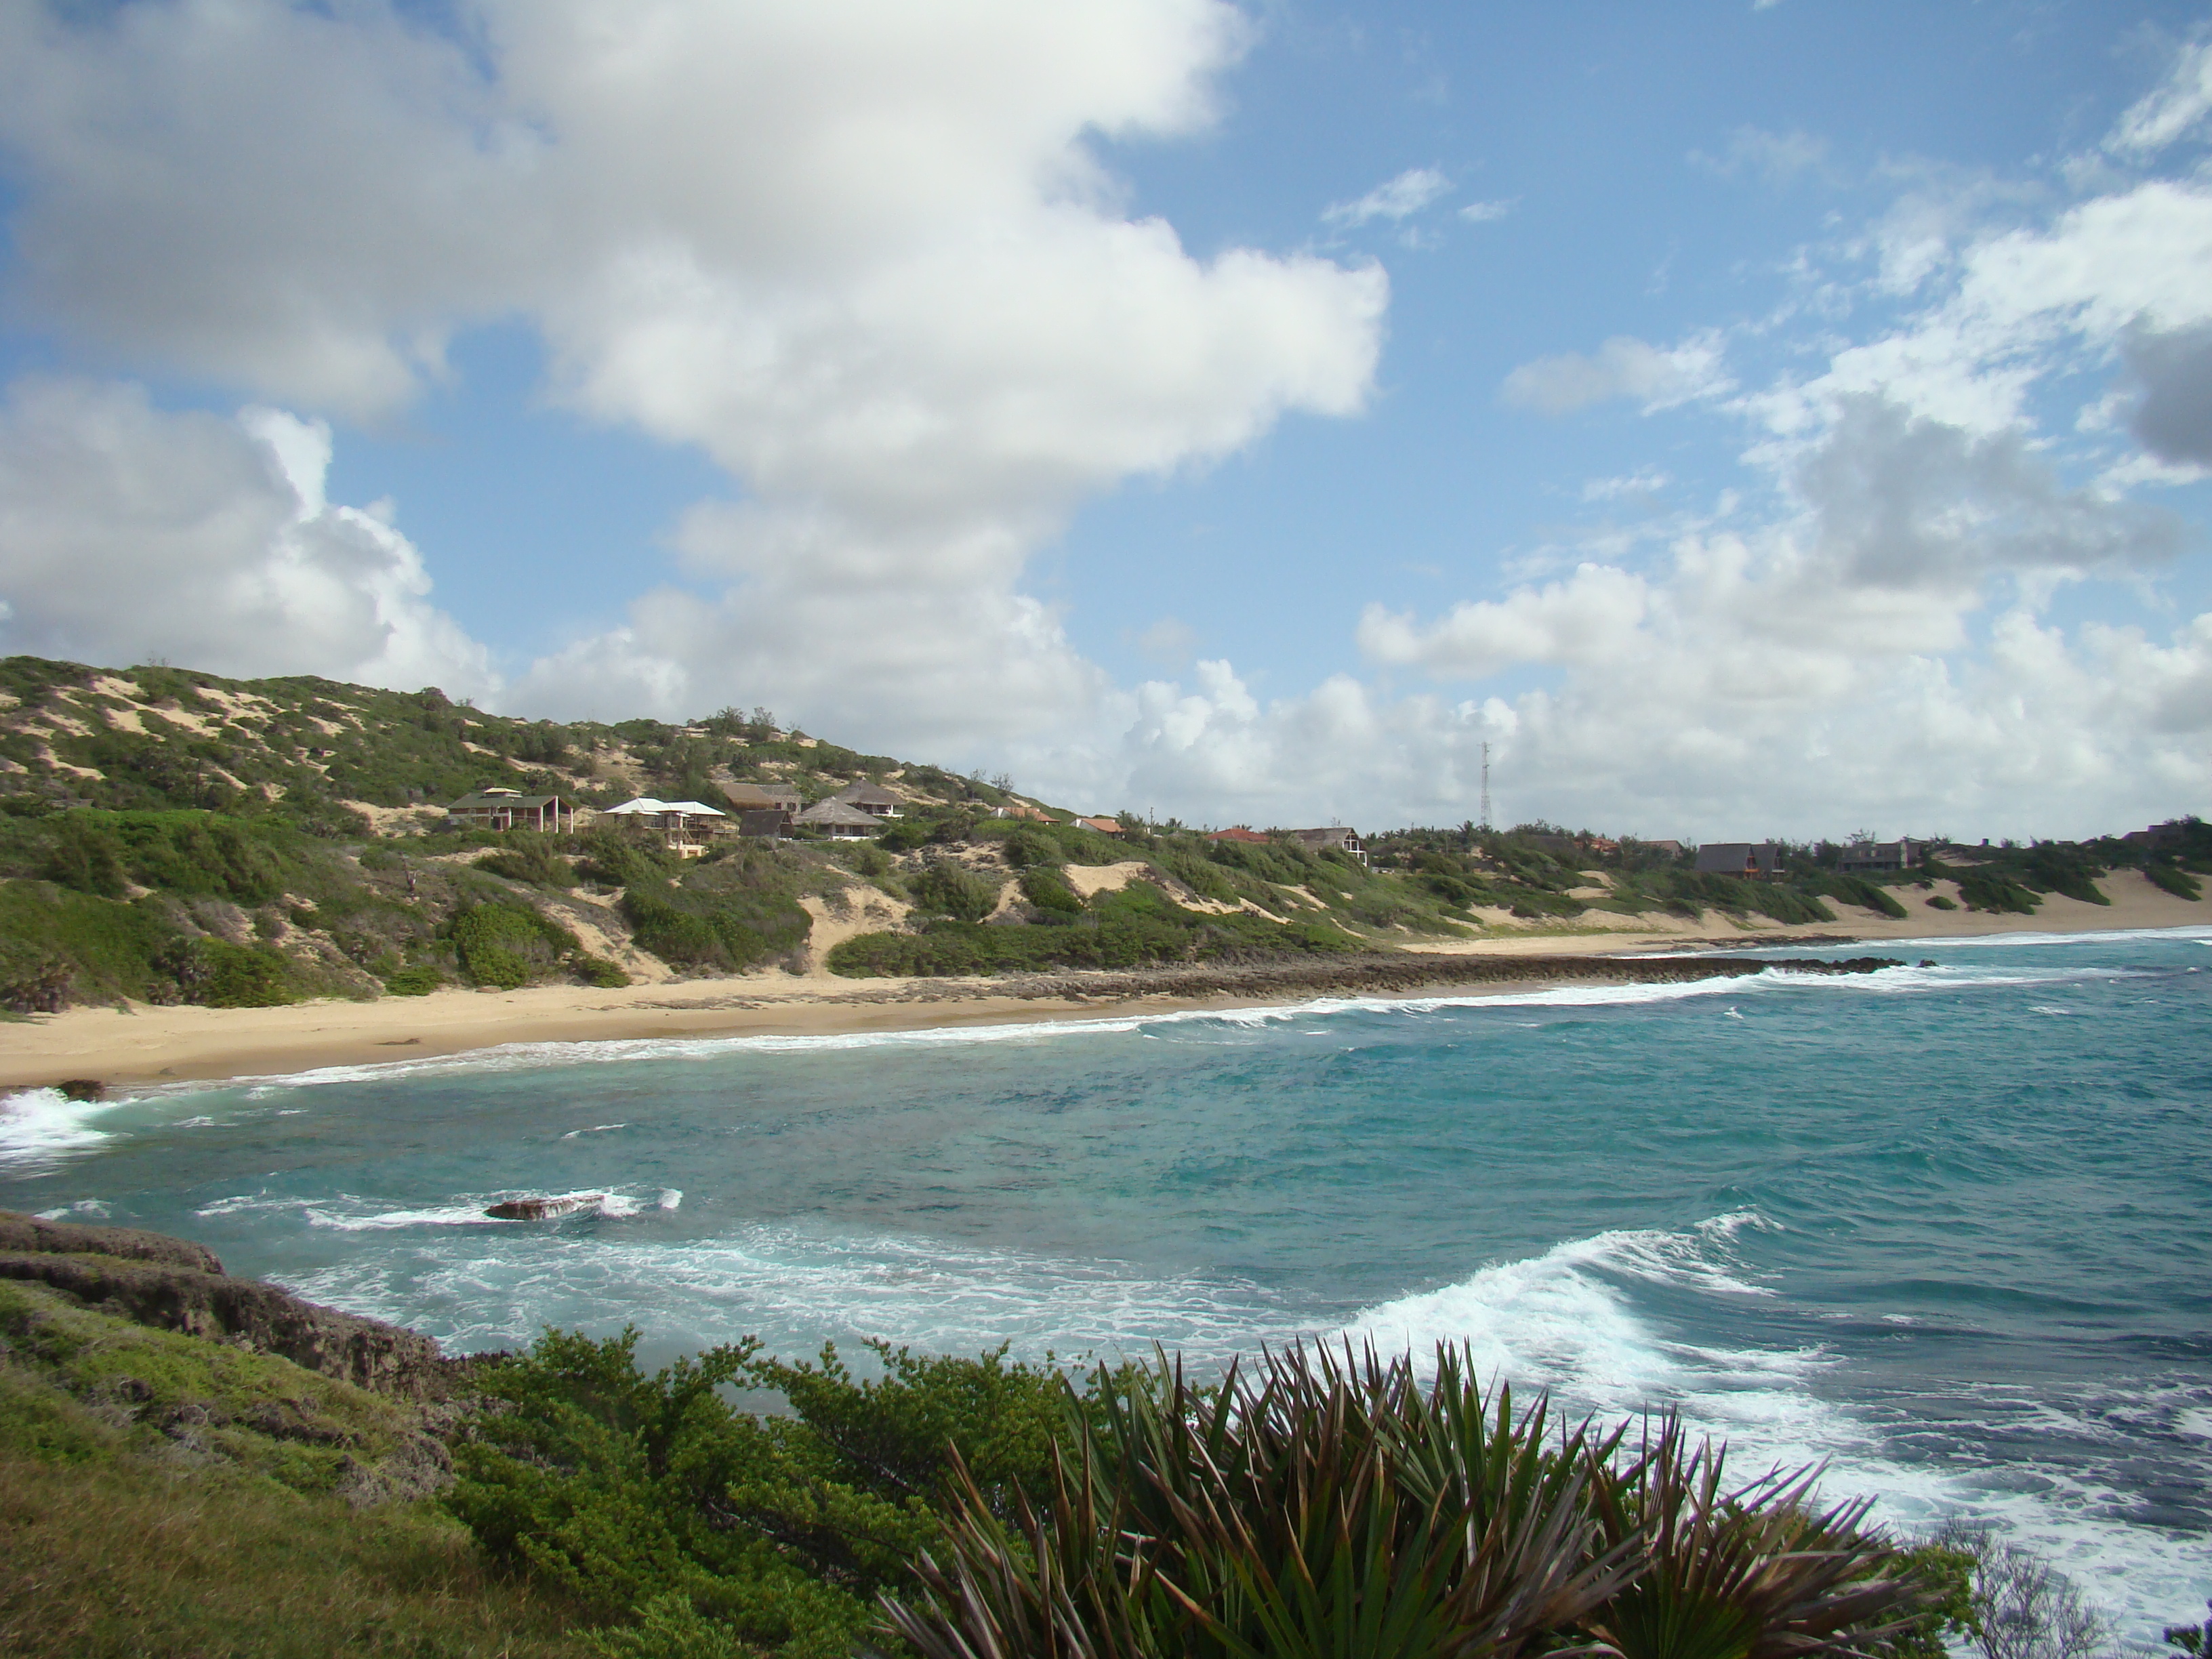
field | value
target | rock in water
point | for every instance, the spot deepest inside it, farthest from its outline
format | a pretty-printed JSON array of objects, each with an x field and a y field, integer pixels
[{"x": 542, "y": 1209}]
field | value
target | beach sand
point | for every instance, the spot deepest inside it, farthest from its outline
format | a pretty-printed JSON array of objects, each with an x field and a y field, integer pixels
[{"x": 137, "y": 1043}]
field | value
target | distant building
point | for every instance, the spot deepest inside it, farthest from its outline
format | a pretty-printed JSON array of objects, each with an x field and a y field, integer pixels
[
  {"x": 1243, "y": 833},
  {"x": 839, "y": 821},
  {"x": 1673, "y": 849},
  {"x": 686, "y": 828},
  {"x": 1103, "y": 826},
  {"x": 1334, "y": 839},
  {"x": 752, "y": 797},
  {"x": 872, "y": 798},
  {"x": 510, "y": 809},
  {"x": 1023, "y": 810},
  {"x": 765, "y": 822},
  {"x": 1753, "y": 861},
  {"x": 1862, "y": 856},
  {"x": 2172, "y": 833}
]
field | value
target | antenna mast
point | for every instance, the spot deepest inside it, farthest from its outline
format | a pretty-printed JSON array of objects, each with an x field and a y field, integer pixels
[{"x": 1486, "y": 786}]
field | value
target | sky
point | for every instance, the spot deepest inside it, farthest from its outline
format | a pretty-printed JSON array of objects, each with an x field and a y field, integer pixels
[{"x": 1775, "y": 417}]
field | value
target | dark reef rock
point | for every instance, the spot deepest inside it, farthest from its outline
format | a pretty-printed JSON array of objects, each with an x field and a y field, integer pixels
[
  {"x": 174, "y": 1285},
  {"x": 542, "y": 1209}
]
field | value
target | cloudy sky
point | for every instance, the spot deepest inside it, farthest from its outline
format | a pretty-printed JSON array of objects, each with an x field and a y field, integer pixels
[{"x": 1778, "y": 417}]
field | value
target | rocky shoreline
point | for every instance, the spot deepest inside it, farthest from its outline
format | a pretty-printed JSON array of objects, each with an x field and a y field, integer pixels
[
  {"x": 172, "y": 1285},
  {"x": 1403, "y": 973}
]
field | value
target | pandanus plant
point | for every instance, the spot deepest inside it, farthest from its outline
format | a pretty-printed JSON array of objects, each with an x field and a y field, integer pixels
[
  {"x": 1752, "y": 1572},
  {"x": 1326, "y": 1507}
]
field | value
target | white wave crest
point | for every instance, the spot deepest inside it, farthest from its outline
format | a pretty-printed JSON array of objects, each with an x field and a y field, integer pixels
[{"x": 40, "y": 1127}]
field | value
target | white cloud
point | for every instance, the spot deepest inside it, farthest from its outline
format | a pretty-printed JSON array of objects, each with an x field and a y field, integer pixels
[
  {"x": 130, "y": 533},
  {"x": 1483, "y": 213},
  {"x": 1623, "y": 366},
  {"x": 2170, "y": 113},
  {"x": 857, "y": 252},
  {"x": 1591, "y": 618},
  {"x": 1394, "y": 199}
]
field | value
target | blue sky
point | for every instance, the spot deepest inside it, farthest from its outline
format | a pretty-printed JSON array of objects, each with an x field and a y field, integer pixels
[{"x": 1782, "y": 418}]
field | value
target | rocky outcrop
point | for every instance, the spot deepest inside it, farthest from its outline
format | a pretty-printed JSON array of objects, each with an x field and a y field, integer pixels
[
  {"x": 544, "y": 1209},
  {"x": 1404, "y": 972},
  {"x": 27, "y": 1233},
  {"x": 174, "y": 1285}
]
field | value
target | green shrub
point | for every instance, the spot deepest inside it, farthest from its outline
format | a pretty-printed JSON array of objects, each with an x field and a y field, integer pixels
[
  {"x": 943, "y": 888},
  {"x": 508, "y": 944},
  {"x": 727, "y": 915},
  {"x": 1044, "y": 886},
  {"x": 530, "y": 858},
  {"x": 1981, "y": 888},
  {"x": 1942, "y": 902},
  {"x": 245, "y": 976},
  {"x": 2172, "y": 879},
  {"x": 106, "y": 947},
  {"x": 598, "y": 971},
  {"x": 416, "y": 982}
]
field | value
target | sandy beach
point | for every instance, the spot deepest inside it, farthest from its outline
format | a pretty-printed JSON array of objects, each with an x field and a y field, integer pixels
[{"x": 134, "y": 1043}]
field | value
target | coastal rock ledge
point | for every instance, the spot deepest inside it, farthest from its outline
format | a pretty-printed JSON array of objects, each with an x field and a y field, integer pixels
[{"x": 170, "y": 1284}]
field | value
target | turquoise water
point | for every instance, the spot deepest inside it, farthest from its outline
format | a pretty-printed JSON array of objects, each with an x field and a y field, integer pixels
[{"x": 1948, "y": 1228}]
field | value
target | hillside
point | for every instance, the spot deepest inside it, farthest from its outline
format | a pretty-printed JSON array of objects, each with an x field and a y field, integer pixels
[{"x": 172, "y": 836}]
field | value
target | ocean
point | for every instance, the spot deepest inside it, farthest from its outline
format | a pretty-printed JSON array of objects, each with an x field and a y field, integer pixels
[{"x": 1947, "y": 1228}]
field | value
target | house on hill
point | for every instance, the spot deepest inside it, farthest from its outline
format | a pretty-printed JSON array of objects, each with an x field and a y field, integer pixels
[
  {"x": 838, "y": 820},
  {"x": 1750, "y": 860},
  {"x": 872, "y": 798},
  {"x": 1104, "y": 826},
  {"x": 758, "y": 796},
  {"x": 686, "y": 828},
  {"x": 1243, "y": 833},
  {"x": 1335, "y": 839},
  {"x": 765, "y": 822},
  {"x": 510, "y": 809},
  {"x": 1861, "y": 856}
]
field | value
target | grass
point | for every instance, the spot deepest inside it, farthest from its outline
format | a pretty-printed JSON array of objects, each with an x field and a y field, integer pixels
[
  {"x": 140, "y": 1558},
  {"x": 161, "y": 1495}
]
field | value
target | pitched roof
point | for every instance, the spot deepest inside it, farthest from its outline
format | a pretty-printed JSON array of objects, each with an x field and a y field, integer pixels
[
  {"x": 1239, "y": 833},
  {"x": 645, "y": 805},
  {"x": 834, "y": 811},
  {"x": 497, "y": 798},
  {"x": 875, "y": 793}
]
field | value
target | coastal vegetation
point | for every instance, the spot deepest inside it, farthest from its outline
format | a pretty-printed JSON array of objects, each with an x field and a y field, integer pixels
[
  {"x": 172, "y": 836},
  {"x": 163, "y": 1493}
]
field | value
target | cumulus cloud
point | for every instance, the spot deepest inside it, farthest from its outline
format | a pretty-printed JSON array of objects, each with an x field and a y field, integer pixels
[
  {"x": 130, "y": 532},
  {"x": 859, "y": 252},
  {"x": 1394, "y": 199},
  {"x": 2173, "y": 417},
  {"x": 1483, "y": 213},
  {"x": 1623, "y": 366},
  {"x": 1589, "y": 618}
]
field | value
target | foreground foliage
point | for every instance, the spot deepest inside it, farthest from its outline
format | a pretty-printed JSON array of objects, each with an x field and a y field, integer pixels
[{"x": 1314, "y": 1505}]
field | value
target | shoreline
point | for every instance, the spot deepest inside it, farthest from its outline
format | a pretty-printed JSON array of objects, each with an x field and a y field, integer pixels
[{"x": 137, "y": 1044}]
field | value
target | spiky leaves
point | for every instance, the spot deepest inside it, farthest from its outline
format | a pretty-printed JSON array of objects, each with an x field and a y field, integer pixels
[{"x": 1315, "y": 1506}]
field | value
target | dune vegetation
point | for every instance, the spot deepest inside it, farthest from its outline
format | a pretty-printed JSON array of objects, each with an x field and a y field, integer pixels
[{"x": 172, "y": 836}]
